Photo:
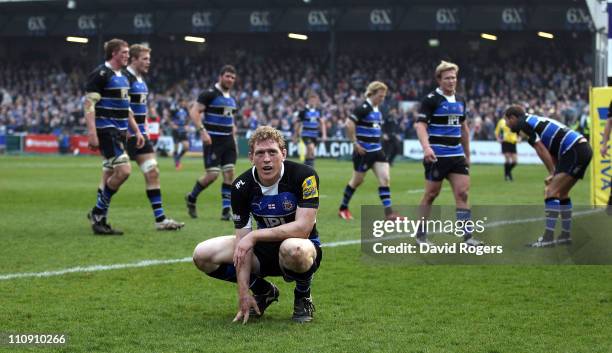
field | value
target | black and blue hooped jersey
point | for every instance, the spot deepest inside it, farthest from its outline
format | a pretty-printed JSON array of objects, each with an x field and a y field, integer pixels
[
  {"x": 311, "y": 122},
  {"x": 444, "y": 118},
  {"x": 277, "y": 204},
  {"x": 218, "y": 113},
  {"x": 138, "y": 100},
  {"x": 181, "y": 118},
  {"x": 112, "y": 111},
  {"x": 368, "y": 122},
  {"x": 557, "y": 137}
]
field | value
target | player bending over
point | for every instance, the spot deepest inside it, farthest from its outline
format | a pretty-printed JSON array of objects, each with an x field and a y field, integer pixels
[{"x": 566, "y": 154}]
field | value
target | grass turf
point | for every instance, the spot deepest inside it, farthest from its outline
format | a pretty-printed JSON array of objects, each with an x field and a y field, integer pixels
[{"x": 360, "y": 306}]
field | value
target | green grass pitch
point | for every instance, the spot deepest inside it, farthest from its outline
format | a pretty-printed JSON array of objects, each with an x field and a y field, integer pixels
[{"x": 361, "y": 307}]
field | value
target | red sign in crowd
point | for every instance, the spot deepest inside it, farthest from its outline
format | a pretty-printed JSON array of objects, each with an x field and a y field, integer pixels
[
  {"x": 41, "y": 144},
  {"x": 50, "y": 144},
  {"x": 79, "y": 145}
]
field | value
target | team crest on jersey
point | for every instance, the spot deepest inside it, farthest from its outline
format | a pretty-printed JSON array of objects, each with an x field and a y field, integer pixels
[
  {"x": 309, "y": 188},
  {"x": 287, "y": 205}
]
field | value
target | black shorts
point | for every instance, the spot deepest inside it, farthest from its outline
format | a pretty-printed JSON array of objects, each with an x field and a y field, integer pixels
[
  {"x": 267, "y": 254},
  {"x": 575, "y": 161},
  {"x": 308, "y": 140},
  {"x": 508, "y": 147},
  {"x": 179, "y": 136},
  {"x": 220, "y": 153},
  {"x": 112, "y": 143},
  {"x": 361, "y": 163},
  {"x": 133, "y": 151},
  {"x": 438, "y": 171}
]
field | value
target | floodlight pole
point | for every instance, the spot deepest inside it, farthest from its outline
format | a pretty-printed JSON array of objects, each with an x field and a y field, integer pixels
[
  {"x": 99, "y": 51},
  {"x": 332, "y": 49},
  {"x": 602, "y": 68}
]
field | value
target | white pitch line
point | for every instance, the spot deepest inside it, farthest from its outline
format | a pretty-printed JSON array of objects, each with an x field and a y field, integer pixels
[{"x": 147, "y": 263}]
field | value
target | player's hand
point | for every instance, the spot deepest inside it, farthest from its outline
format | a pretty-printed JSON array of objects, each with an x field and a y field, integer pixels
[
  {"x": 429, "y": 156},
  {"x": 360, "y": 150},
  {"x": 205, "y": 138},
  {"x": 243, "y": 247},
  {"x": 140, "y": 141},
  {"x": 92, "y": 141},
  {"x": 604, "y": 150},
  {"x": 245, "y": 303},
  {"x": 468, "y": 161},
  {"x": 548, "y": 180}
]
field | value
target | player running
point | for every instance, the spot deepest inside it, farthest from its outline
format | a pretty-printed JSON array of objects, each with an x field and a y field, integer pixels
[
  {"x": 566, "y": 154},
  {"x": 444, "y": 135},
  {"x": 140, "y": 60},
  {"x": 178, "y": 123},
  {"x": 283, "y": 198},
  {"x": 108, "y": 114},
  {"x": 218, "y": 133}
]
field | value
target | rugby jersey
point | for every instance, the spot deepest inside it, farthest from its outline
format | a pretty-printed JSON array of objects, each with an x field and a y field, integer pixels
[
  {"x": 368, "y": 121},
  {"x": 503, "y": 131},
  {"x": 556, "y": 137},
  {"x": 444, "y": 116},
  {"x": 112, "y": 111},
  {"x": 218, "y": 113},
  {"x": 138, "y": 99},
  {"x": 311, "y": 123},
  {"x": 277, "y": 204}
]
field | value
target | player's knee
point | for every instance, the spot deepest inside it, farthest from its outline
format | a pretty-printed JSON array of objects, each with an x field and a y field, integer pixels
[
  {"x": 355, "y": 182},
  {"x": 430, "y": 195},
  {"x": 385, "y": 180},
  {"x": 211, "y": 175},
  {"x": 150, "y": 169},
  {"x": 461, "y": 195},
  {"x": 295, "y": 256},
  {"x": 152, "y": 176},
  {"x": 122, "y": 173},
  {"x": 202, "y": 257}
]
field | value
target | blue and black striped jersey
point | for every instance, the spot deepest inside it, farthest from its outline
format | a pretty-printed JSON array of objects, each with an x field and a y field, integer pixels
[
  {"x": 310, "y": 118},
  {"x": 112, "y": 111},
  {"x": 556, "y": 137},
  {"x": 444, "y": 117},
  {"x": 218, "y": 113},
  {"x": 274, "y": 205},
  {"x": 368, "y": 122},
  {"x": 138, "y": 100},
  {"x": 181, "y": 119}
]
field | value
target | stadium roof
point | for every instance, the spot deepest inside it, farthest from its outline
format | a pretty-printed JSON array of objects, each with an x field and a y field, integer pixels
[{"x": 109, "y": 5}]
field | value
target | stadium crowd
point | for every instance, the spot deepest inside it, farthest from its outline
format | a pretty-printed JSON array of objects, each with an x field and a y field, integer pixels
[{"x": 46, "y": 96}]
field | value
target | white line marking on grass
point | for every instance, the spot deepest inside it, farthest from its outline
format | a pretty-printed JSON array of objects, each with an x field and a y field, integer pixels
[
  {"x": 415, "y": 191},
  {"x": 147, "y": 263},
  {"x": 93, "y": 268}
]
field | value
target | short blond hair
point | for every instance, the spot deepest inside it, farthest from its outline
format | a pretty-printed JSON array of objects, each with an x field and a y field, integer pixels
[
  {"x": 264, "y": 133},
  {"x": 374, "y": 87},
  {"x": 136, "y": 50},
  {"x": 446, "y": 66}
]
